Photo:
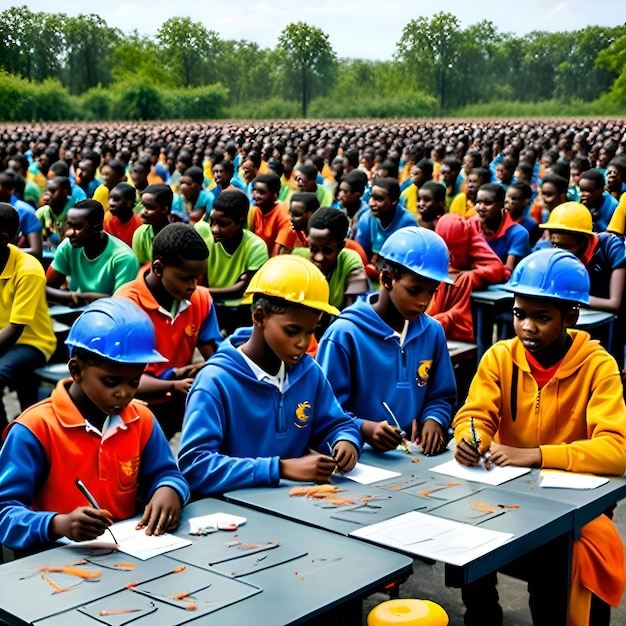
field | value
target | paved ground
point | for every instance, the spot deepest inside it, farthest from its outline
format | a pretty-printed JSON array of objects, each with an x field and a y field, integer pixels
[{"x": 427, "y": 581}]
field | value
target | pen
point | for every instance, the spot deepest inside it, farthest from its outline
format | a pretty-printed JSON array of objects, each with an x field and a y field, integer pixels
[
  {"x": 395, "y": 421},
  {"x": 94, "y": 503},
  {"x": 476, "y": 443},
  {"x": 332, "y": 452}
]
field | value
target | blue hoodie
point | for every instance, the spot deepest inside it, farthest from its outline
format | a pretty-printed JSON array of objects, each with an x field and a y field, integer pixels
[
  {"x": 365, "y": 365},
  {"x": 237, "y": 428}
]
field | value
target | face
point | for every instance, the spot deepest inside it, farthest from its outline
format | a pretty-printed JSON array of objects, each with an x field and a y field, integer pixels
[
  {"x": 346, "y": 196},
  {"x": 55, "y": 195},
  {"x": 262, "y": 196},
  {"x": 223, "y": 228},
  {"x": 411, "y": 294},
  {"x": 380, "y": 203},
  {"x": 473, "y": 183},
  {"x": 575, "y": 174},
  {"x": 188, "y": 189},
  {"x": 218, "y": 170},
  {"x": 447, "y": 175},
  {"x": 537, "y": 323},
  {"x": 550, "y": 196},
  {"x": 427, "y": 206},
  {"x": 567, "y": 241},
  {"x": 514, "y": 202},
  {"x": 299, "y": 215},
  {"x": 78, "y": 229},
  {"x": 181, "y": 280},
  {"x": 613, "y": 177},
  {"x": 249, "y": 171},
  {"x": 304, "y": 183},
  {"x": 118, "y": 205},
  {"x": 417, "y": 176},
  {"x": 139, "y": 178},
  {"x": 487, "y": 208},
  {"x": 110, "y": 386},
  {"x": 287, "y": 334},
  {"x": 324, "y": 250},
  {"x": 152, "y": 212},
  {"x": 589, "y": 195}
]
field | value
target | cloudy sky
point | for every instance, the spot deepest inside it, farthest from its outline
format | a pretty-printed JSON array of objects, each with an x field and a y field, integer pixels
[{"x": 360, "y": 29}]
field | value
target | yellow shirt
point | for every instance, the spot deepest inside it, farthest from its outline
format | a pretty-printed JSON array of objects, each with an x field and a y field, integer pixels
[
  {"x": 618, "y": 220},
  {"x": 23, "y": 301},
  {"x": 101, "y": 194}
]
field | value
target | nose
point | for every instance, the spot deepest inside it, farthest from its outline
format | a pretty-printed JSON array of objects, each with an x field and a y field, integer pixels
[{"x": 528, "y": 325}]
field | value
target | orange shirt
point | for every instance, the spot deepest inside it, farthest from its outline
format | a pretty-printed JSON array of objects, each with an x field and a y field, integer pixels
[
  {"x": 273, "y": 227},
  {"x": 114, "y": 226}
]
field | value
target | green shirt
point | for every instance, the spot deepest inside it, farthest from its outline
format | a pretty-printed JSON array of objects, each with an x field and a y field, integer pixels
[{"x": 143, "y": 239}]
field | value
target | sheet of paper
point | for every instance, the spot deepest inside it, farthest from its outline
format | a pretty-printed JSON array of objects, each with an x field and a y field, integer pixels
[
  {"x": 368, "y": 474},
  {"x": 494, "y": 476},
  {"x": 214, "y": 520},
  {"x": 570, "y": 480},
  {"x": 434, "y": 537}
]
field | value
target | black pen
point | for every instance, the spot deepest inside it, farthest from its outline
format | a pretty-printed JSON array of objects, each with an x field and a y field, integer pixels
[
  {"x": 476, "y": 443},
  {"x": 94, "y": 503}
]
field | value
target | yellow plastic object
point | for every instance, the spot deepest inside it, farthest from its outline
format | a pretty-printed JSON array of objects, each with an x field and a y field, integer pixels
[
  {"x": 294, "y": 279},
  {"x": 570, "y": 216},
  {"x": 408, "y": 612}
]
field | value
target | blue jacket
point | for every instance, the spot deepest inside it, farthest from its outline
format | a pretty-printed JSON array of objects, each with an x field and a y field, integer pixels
[
  {"x": 365, "y": 365},
  {"x": 371, "y": 234},
  {"x": 237, "y": 428}
]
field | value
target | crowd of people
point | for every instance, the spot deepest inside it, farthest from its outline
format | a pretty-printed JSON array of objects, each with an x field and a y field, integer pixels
[{"x": 246, "y": 280}]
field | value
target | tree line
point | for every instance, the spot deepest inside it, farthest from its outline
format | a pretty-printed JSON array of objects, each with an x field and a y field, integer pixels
[{"x": 94, "y": 71}]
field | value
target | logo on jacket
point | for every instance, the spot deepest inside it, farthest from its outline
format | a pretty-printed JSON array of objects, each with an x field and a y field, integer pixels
[
  {"x": 301, "y": 415},
  {"x": 423, "y": 372},
  {"x": 131, "y": 467}
]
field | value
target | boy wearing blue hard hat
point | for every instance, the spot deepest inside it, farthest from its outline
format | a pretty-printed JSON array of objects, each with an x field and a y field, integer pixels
[
  {"x": 384, "y": 356},
  {"x": 90, "y": 429},
  {"x": 551, "y": 397}
]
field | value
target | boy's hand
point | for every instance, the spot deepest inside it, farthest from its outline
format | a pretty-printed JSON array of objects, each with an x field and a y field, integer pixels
[
  {"x": 381, "y": 435},
  {"x": 346, "y": 455},
  {"x": 162, "y": 513},
  {"x": 508, "y": 455},
  {"x": 82, "y": 524},
  {"x": 466, "y": 454},
  {"x": 315, "y": 468},
  {"x": 188, "y": 371},
  {"x": 433, "y": 438},
  {"x": 183, "y": 386}
]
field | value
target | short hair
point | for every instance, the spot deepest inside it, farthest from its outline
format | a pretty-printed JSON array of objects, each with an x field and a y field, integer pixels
[
  {"x": 524, "y": 189},
  {"x": 162, "y": 193},
  {"x": 308, "y": 198},
  {"x": 7, "y": 180},
  {"x": 21, "y": 159},
  {"x": 497, "y": 191},
  {"x": 233, "y": 204},
  {"x": 561, "y": 184},
  {"x": 255, "y": 157},
  {"x": 60, "y": 168},
  {"x": 437, "y": 189},
  {"x": 357, "y": 179},
  {"x": 334, "y": 220},
  {"x": 426, "y": 165},
  {"x": 126, "y": 190},
  {"x": 184, "y": 156},
  {"x": 453, "y": 163},
  {"x": 390, "y": 185},
  {"x": 9, "y": 220},
  {"x": 595, "y": 175},
  {"x": 142, "y": 164},
  {"x": 526, "y": 169},
  {"x": 391, "y": 167},
  {"x": 117, "y": 166},
  {"x": 581, "y": 162},
  {"x": 484, "y": 173},
  {"x": 308, "y": 169},
  {"x": 94, "y": 211},
  {"x": 196, "y": 174},
  {"x": 177, "y": 242},
  {"x": 561, "y": 168},
  {"x": 62, "y": 181},
  {"x": 271, "y": 179},
  {"x": 396, "y": 270},
  {"x": 276, "y": 166},
  {"x": 228, "y": 167},
  {"x": 352, "y": 156},
  {"x": 619, "y": 163}
]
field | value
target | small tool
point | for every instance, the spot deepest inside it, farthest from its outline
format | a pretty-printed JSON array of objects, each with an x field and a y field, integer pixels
[
  {"x": 484, "y": 458},
  {"x": 395, "y": 421},
  {"x": 94, "y": 503}
]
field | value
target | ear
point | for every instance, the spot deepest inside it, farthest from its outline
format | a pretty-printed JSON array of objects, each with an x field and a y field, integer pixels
[
  {"x": 386, "y": 279},
  {"x": 157, "y": 268},
  {"x": 75, "y": 369},
  {"x": 258, "y": 317},
  {"x": 571, "y": 317}
]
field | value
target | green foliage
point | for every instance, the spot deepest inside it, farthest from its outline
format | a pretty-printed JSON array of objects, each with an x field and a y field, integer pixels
[
  {"x": 543, "y": 109},
  {"x": 401, "y": 106},
  {"x": 138, "y": 101},
  {"x": 208, "y": 102},
  {"x": 96, "y": 104},
  {"x": 613, "y": 59},
  {"x": 271, "y": 109}
]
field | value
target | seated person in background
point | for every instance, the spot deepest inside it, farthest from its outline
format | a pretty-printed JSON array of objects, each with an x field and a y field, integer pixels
[
  {"x": 516, "y": 202},
  {"x": 226, "y": 445},
  {"x": 90, "y": 428},
  {"x": 388, "y": 332},
  {"x": 193, "y": 203},
  {"x": 268, "y": 218},
  {"x": 616, "y": 176},
  {"x": 507, "y": 239},
  {"x": 431, "y": 204},
  {"x": 464, "y": 204},
  {"x": 473, "y": 265},
  {"x": 183, "y": 317},
  {"x": 53, "y": 213},
  {"x": 155, "y": 215},
  {"x": 301, "y": 206},
  {"x": 18, "y": 163},
  {"x": 350, "y": 197},
  {"x": 94, "y": 263},
  {"x": 550, "y": 398},
  {"x": 552, "y": 192},
  {"x": 27, "y": 340},
  {"x": 235, "y": 255},
  {"x": 600, "y": 203},
  {"x": 306, "y": 177},
  {"x": 112, "y": 172},
  {"x": 421, "y": 172},
  {"x": 121, "y": 220}
]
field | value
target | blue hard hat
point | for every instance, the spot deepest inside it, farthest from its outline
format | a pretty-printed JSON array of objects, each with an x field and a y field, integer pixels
[
  {"x": 550, "y": 273},
  {"x": 116, "y": 329},
  {"x": 421, "y": 251}
]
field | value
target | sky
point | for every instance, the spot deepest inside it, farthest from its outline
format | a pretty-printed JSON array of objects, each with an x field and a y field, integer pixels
[{"x": 361, "y": 29}]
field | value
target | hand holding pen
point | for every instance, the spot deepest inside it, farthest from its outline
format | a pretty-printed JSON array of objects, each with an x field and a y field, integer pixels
[
  {"x": 106, "y": 519},
  {"x": 468, "y": 452},
  {"x": 397, "y": 425}
]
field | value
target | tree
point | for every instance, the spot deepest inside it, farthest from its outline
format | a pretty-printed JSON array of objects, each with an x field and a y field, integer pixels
[
  {"x": 307, "y": 58},
  {"x": 613, "y": 58},
  {"x": 136, "y": 59}
]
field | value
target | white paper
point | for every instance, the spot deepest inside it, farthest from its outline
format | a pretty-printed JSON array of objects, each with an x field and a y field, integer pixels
[
  {"x": 570, "y": 480},
  {"x": 134, "y": 542},
  {"x": 368, "y": 474},
  {"x": 434, "y": 537},
  {"x": 214, "y": 520},
  {"x": 496, "y": 475}
]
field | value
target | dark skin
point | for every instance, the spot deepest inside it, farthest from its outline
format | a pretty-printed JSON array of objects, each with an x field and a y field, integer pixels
[
  {"x": 119, "y": 381},
  {"x": 382, "y": 435},
  {"x": 11, "y": 332},
  {"x": 542, "y": 327},
  {"x": 290, "y": 332}
]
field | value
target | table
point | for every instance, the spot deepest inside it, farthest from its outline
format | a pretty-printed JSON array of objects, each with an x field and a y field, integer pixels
[{"x": 310, "y": 573}]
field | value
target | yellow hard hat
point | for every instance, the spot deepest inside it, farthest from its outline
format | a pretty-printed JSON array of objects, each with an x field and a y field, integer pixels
[
  {"x": 572, "y": 216},
  {"x": 407, "y": 612},
  {"x": 293, "y": 279}
]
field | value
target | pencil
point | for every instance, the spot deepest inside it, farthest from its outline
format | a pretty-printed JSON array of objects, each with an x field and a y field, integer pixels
[{"x": 94, "y": 503}]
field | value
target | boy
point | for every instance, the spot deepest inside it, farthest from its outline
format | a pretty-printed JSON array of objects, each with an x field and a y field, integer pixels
[
  {"x": 550, "y": 398},
  {"x": 235, "y": 255},
  {"x": 183, "y": 317},
  {"x": 516, "y": 202},
  {"x": 90, "y": 429},
  {"x": 155, "y": 215},
  {"x": 193, "y": 202},
  {"x": 27, "y": 340},
  {"x": 350, "y": 197},
  {"x": 113, "y": 172},
  {"x": 421, "y": 172},
  {"x": 260, "y": 404},
  {"x": 600, "y": 202},
  {"x": 268, "y": 218},
  {"x": 121, "y": 220},
  {"x": 431, "y": 204},
  {"x": 95, "y": 263},
  {"x": 389, "y": 332},
  {"x": 301, "y": 206},
  {"x": 53, "y": 213}
]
